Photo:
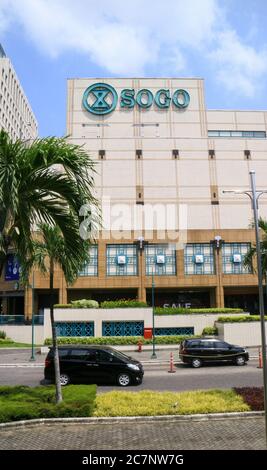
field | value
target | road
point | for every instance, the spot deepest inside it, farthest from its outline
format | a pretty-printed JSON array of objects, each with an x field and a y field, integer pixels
[{"x": 157, "y": 377}]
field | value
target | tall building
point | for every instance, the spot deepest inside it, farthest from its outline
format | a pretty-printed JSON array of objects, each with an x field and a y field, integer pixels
[
  {"x": 17, "y": 118},
  {"x": 163, "y": 161},
  {"x": 16, "y": 115}
]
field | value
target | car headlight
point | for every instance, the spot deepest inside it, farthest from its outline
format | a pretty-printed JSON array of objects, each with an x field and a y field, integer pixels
[{"x": 133, "y": 366}]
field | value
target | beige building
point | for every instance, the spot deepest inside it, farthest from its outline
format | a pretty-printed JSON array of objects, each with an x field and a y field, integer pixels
[
  {"x": 163, "y": 161},
  {"x": 16, "y": 115}
]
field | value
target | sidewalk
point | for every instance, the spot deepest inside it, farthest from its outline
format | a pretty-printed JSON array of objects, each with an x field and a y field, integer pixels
[{"x": 222, "y": 433}]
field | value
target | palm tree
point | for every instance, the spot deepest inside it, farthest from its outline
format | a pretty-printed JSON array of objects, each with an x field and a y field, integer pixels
[
  {"x": 50, "y": 250},
  {"x": 248, "y": 259},
  {"x": 45, "y": 181}
]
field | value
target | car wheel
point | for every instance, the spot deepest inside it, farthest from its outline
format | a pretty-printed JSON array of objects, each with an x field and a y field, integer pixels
[
  {"x": 196, "y": 363},
  {"x": 124, "y": 379},
  {"x": 240, "y": 361},
  {"x": 64, "y": 379}
]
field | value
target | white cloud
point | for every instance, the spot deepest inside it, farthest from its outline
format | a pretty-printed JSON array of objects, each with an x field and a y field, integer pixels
[
  {"x": 240, "y": 66},
  {"x": 129, "y": 38}
]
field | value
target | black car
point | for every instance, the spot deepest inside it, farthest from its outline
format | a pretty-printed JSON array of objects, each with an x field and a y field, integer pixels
[
  {"x": 198, "y": 351},
  {"x": 93, "y": 364}
]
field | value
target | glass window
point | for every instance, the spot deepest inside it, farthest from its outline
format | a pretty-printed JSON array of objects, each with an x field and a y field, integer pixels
[
  {"x": 242, "y": 134},
  {"x": 194, "y": 344},
  {"x": 115, "y": 253},
  {"x": 207, "y": 344},
  {"x": 233, "y": 258},
  {"x": 63, "y": 353},
  {"x": 220, "y": 345},
  {"x": 160, "y": 260},
  {"x": 91, "y": 268},
  {"x": 191, "y": 254},
  {"x": 83, "y": 354},
  {"x": 103, "y": 356}
]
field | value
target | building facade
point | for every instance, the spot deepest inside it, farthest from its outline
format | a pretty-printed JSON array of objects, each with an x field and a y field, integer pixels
[
  {"x": 16, "y": 118},
  {"x": 163, "y": 161},
  {"x": 16, "y": 115}
]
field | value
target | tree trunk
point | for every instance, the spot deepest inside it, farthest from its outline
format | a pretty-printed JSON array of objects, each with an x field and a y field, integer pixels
[{"x": 54, "y": 335}]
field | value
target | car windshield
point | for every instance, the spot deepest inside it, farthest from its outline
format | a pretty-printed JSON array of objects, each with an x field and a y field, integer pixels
[{"x": 119, "y": 355}]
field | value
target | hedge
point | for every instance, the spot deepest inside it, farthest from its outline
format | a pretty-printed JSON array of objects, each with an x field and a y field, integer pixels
[
  {"x": 123, "y": 304},
  {"x": 210, "y": 330},
  {"x": 119, "y": 340},
  {"x": 243, "y": 319},
  {"x": 22, "y": 402},
  {"x": 107, "y": 304},
  {"x": 188, "y": 311}
]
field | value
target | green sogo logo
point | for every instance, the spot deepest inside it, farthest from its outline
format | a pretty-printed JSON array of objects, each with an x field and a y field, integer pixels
[{"x": 101, "y": 98}]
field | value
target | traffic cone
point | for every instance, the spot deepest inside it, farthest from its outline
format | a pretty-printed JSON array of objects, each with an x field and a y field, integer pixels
[
  {"x": 139, "y": 346},
  {"x": 260, "y": 359},
  {"x": 171, "y": 369}
]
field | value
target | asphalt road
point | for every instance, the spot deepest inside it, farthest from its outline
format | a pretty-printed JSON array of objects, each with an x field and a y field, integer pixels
[{"x": 157, "y": 377}]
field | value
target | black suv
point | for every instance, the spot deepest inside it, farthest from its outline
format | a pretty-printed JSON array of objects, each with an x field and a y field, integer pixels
[
  {"x": 198, "y": 351},
  {"x": 93, "y": 364}
]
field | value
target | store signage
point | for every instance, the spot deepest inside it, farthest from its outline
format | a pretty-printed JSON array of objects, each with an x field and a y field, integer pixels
[{"x": 101, "y": 98}]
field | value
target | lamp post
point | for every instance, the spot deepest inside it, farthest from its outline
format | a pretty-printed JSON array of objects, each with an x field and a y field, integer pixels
[
  {"x": 254, "y": 196},
  {"x": 32, "y": 358},
  {"x": 153, "y": 355}
]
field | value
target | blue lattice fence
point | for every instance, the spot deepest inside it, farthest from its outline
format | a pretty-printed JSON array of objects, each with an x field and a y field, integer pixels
[
  {"x": 75, "y": 328},
  {"x": 188, "y": 330},
  {"x": 121, "y": 328}
]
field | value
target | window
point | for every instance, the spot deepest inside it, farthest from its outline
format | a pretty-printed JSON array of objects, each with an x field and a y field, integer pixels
[
  {"x": 220, "y": 345},
  {"x": 83, "y": 355},
  {"x": 242, "y": 134},
  {"x": 114, "y": 253},
  {"x": 91, "y": 268},
  {"x": 103, "y": 356},
  {"x": 63, "y": 353},
  {"x": 160, "y": 260},
  {"x": 233, "y": 256},
  {"x": 199, "y": 251}
]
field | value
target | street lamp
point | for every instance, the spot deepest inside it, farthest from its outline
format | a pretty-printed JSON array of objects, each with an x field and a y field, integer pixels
[
  {"x": 254, "y": 197},
  {"x": 141, "y": 242},
  {"x": 153, "y": 355},
  {"x": 32, "y": 358}
]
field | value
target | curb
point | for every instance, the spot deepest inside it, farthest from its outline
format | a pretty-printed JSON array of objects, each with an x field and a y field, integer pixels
[{"x": 121, "y": 419}]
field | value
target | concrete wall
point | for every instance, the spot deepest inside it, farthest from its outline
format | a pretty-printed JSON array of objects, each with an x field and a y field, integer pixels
[
  {"x": 243, "y": 334},
  {"x": 23, "y": 333},
  {"x": 128, "y": 314}
]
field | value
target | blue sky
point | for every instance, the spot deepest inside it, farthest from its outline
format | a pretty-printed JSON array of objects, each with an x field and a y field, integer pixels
[{"x": 223, "y": 41}]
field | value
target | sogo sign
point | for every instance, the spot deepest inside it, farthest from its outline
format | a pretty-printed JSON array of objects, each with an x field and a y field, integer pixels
[{"x": 101, "y": 98}]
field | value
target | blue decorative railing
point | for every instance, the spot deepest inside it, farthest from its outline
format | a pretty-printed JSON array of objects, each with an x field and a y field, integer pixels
[
  {"x": 121, "y": 328},
  {"x": 20, "y": 320},
  {"x": 188, "y": 330},
  {"x": 75, "y": 328}
]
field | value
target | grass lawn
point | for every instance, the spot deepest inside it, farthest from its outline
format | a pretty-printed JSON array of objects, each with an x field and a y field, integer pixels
[
  {"x": 20, "y": 402},
  {"x": 148, "y": 403},
  {"x": 9, "y": 343}
]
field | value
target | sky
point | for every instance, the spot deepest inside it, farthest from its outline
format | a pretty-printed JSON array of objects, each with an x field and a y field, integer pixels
[{"x": 222, "y": 41}]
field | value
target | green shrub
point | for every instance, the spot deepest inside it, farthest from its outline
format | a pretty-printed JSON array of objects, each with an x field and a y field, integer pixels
[
  {"x": 242, "y": 319},
  {"x": 210, "y": 330},
  {"x": 63, "y": 306},
  {"x": 123, "y": 303},
  {"x": 21, "y": 402},
  {"x": 6, "y": 341},
  {"x": 2, "y": 334},
  {"x": 188, "y": 311},
  {"x": 84, "y": 303},
  {"x": 150, "y": 403},
  {"x": 120, "y": 340}
]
